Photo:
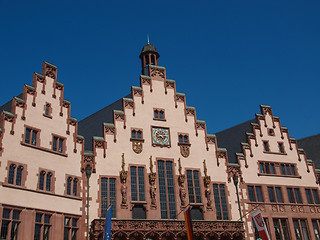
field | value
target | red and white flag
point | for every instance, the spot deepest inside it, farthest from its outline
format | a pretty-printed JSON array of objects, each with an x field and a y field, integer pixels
[{"x": 260, "y": 224}]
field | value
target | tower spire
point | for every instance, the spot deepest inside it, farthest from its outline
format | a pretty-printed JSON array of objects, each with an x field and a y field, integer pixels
[{"x": 148, "y": 56}]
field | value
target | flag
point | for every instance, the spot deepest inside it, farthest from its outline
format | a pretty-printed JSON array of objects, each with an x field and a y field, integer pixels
[
  {"x": 260, "y": 224},
  {"x": 187, "y": 218},
  {"x": 107, "y": 224}
]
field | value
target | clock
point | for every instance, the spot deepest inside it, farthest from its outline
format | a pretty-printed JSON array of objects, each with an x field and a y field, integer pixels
[{"x": 160, "y": 136}]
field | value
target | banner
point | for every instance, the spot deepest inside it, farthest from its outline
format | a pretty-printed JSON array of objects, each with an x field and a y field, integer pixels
[
  {"x": 107, "y": 224},
  {"x": 187, "y": 218},
  {"x": 260, "y": 225}
]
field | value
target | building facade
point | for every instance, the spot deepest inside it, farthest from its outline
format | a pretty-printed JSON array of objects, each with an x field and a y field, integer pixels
[{"x": 149, "y": 157}]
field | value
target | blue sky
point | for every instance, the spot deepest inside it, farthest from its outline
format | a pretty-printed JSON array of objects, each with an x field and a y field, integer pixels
[{"x": 226, "y": 56}]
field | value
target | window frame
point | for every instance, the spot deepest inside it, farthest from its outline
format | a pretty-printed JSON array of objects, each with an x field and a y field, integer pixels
[
  {"x": 138, "y": 200},
  {"x": 48, "y": 113},
  {"x": 183, "y": 136},
  {"x": 70, "y": 227},
  {"x": 197, "y": 196},
  {"x": 43, "y": 224},
  {"x": 222, "y": 211},
  {"x": 45, "y": 179},
  {"x": 31, "y": 134},
  {"x": 134, "y": 134},
  {"x": 72, "y": 178},
  {"x": 159, "y": 111},
  {"x": 274, "y": 191},
  {"x": 312, "y": 197},
  {"x": 255, "y": 193},
  {"x": 113, "y": 202},
  {"x": 266, "y": 146},
  {"x": 10, "y": 220},
  {"x": 294, "y": 192},
  {"x": 281, "y": 227},
  {"x": 300, "y": 227},
  {"x": 15, "y": 176},
  {"x": 57, "y": 144},
  {"x": 281, "y": 148}
]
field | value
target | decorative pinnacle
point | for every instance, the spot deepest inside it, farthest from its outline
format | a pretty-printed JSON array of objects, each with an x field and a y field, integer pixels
[
  {"x": 151, "y": 164},
  {"x": 148, "y": 38},
  {"x": 180, "y": 168},
  {"x": 123, "y": 163},
  {"x": 205, "y": 167}
]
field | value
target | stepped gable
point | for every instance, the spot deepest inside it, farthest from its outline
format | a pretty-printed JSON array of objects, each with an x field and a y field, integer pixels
[
  {"x": 93, "y": 125},
  {"x": 7, "y": 106},
  {"x": 311, "y": 145},
  {"x": 232, "y": 138}
]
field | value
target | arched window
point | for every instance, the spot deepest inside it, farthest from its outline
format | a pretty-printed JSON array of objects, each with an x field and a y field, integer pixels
[
  {"x": 19, "y": 175},
  {"x": 75, "y": 187},
  {"x": 11, "y": 173},
  {"x": 152, "y": 60},
  {"x": 196, "y": 213},
  {"x": 47, "y": 112},
  {"x": 161, "y": 115},
  {"x": 139, "y": 135},
  {"x": 138, "y": 212},
  {"x": 48, "y": 182},
  {"x": 41, "y": 180},
  {"x": 156, "y": 114},
  {"x": 69, "y": 185}
]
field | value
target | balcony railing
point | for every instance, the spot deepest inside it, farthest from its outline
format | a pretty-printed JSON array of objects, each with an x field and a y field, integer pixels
[{"x": 123, "y": 229}]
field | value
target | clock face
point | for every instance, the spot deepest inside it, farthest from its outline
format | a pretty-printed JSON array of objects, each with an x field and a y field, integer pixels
[{"x": 160, "y": 136}]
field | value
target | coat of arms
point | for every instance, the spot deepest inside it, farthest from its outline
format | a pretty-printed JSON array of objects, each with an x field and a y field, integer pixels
[{"x": 137, "y": 146}]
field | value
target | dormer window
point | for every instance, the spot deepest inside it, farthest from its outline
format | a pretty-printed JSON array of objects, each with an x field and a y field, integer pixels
[{"x": 158, "y": 114}]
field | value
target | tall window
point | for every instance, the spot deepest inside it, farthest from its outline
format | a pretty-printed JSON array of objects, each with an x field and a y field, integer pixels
[
  {"x": 72, "y": 186},
  {"x": 316, "y": 227},
  {"x": 287, "y": 169},
  {"x": 312, "y": 196},
  {"x": 301, "y": 229},
  {"x": 281, "y": 147},
  {"x": 70, "y": 228},
  {"x": 108, "y": 195},
  {"x": 294, "y": 195},
  {"x": 137, "y": 184},
  {"x": 275, "y": 194},
  {"x": 281, "y": 228},
  {"x": 267, "y": 168},
  {"x": 15, "y": 174},
  {"x": 31, "y": 136},
  {"x": 57, "y": 144},
  {"x": 193, "y": 186},
  {"x": 45, "y": 181},
  {"x": 10, "y": 219},
  {"x": 266, "y": 146},
  {"x": 255, "y": 193},
  {"x": 220, "y": 201},
  {"x": 42, "y": 226},
  {"x": 166, "y": 188}
]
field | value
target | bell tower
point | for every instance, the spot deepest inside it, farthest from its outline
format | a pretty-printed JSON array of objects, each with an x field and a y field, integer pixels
[{"x": 148, "y": 56}]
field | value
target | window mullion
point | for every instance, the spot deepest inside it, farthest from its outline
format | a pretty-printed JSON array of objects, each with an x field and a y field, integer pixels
[{"x": 137, "y": 181}]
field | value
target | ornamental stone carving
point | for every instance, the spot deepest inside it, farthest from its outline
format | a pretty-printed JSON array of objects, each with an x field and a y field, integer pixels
[
  {"x": 153, "y": 187},
  {"x": 207, "y": 182},
  {"x": 182, "y": 190},
  {"x": 123, "y": 179}
]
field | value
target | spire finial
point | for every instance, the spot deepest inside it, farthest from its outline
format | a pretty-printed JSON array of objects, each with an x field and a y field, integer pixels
[{"x": 148, "y": 39}]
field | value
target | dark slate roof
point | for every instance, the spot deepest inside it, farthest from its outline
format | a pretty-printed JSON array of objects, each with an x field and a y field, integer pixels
[
  {"x": 7, "y": 106},
  {"x": 93, "y": 125},
  {"x": 148, "y": 48},
  {"x": 311, "y": 146},
  {"x": 232, "y": 138}
]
